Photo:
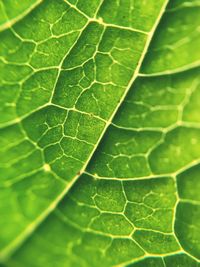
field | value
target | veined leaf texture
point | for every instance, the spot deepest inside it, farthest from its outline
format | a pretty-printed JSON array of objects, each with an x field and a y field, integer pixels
[{"x": 99, "y": 133}]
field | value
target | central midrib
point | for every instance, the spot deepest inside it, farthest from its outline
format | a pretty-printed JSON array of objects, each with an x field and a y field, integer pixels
[{"x": 17, "y": 242}]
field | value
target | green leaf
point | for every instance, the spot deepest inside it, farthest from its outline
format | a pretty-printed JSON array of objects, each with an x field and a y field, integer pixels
[
  {"x": 13, "y": 10},
  {"x": 99, "y": 133}
]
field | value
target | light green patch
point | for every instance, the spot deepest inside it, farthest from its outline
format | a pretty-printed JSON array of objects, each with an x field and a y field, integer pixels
[
  {"x": 155, "y": 242},
  {"x": 150, "y": 203}
]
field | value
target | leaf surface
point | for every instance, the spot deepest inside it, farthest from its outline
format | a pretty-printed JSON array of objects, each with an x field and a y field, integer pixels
[
  {"x": 100, "y": 135},
  {"x": 12, "y": 11}
]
